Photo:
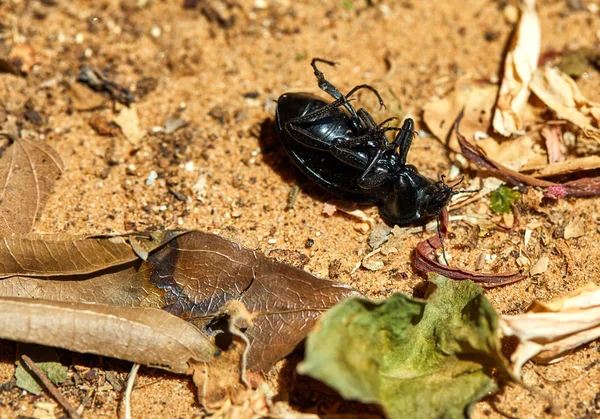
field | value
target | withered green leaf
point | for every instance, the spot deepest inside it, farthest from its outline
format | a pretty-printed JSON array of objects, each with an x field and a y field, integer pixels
[
  {"x": 189, "y": 274},
  {"x": 28, "y": 171},
  {"x": 46, "y": 359},
  {"x": 417, "y": 359}
]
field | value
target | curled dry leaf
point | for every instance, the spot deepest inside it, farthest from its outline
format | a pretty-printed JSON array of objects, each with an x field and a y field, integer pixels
[
  {"x": 28, "y": 171},
  {"x": 519, "y": 66},
  {"x": 561, "y": 94},
  {"x": 144, "y": 335},
  {"x": 189, "y": 274},
  {"x": 424, "y": 263},
  {"x": 577, "y": 188},
  {"x": 549, "y": 330}
]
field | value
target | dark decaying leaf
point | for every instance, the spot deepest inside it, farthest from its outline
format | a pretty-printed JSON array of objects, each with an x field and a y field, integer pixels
[
  {"x": 416, "y": 359},
  {"x": 189, "y": 274},
  {"x": 198, "y": 273},
  {"x": 576, "y": 188},
  {"x": 143, "y": 335},
  {"x": 28, "y": 171}
]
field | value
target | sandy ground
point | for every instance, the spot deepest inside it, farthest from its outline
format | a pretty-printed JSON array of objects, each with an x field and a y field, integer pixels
[{"x": 220, "y": 66}]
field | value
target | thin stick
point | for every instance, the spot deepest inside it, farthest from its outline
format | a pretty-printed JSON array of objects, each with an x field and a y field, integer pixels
[
  {"x": 50, "y": 387},
  {"x": 129, "y": 389}
]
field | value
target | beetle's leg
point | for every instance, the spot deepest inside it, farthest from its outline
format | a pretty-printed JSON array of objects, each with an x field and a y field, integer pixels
[
  {"x": 341, "y": 149},
  {"x": 373, "y": 178},
  {"x": 372, "y": 89},
  {"x": 340, "y": 99},
  {"x": 404, "y": 139},
  {"x": 367, "y": 119},
  {"x": 331, "y": 90}
]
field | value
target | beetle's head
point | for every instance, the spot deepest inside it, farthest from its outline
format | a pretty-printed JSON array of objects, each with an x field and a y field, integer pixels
[
  {"x": 434, "y": 197},
  {"x": 437, "y": 195}
]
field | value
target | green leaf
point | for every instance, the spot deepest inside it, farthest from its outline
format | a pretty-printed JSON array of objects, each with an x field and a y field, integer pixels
[
  {"x": 46, "y": 359},
  {"x": 417, "y": 359},
  {"x": 502, "y": 199}
]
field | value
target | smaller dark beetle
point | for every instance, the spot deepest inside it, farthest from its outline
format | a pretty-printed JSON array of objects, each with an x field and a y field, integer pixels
[{"x": 347, "y": 153}]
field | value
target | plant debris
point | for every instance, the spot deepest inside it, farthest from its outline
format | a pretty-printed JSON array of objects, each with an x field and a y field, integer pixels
[
  {"x": 191, "y": 275},
  {"x": 503, "y": 198},
  {"x": 576, "y": 188},
  {"x": 561, "y": 94},
  {"x": 100, "y": 83},
  {"x": 424, "y": 263}
]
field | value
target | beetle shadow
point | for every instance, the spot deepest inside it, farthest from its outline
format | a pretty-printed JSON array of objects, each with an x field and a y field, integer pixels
[{"x": 275, "y": 156}]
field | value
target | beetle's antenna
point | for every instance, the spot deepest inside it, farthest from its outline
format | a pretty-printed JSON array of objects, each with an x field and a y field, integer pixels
[{"x": 453, "y": 192}]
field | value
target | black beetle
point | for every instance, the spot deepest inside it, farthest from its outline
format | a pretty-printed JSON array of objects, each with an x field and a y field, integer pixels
[{"x": 347, "y": 153}]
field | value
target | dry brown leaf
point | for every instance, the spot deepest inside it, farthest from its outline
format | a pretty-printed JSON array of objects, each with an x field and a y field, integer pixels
[
  {"x": 514, "y": 154},
  {"x": 477, "y": 100},
  {"x": 129, "y": 122},
  {"x": 549, "y": 330},
  {"x": 192, "y": 275},
  {"x": 28, "y": 171},
  {"x": 519, "y": 66},
  {"x": 144, "y": 335},
  {"x": 561, "y": 94}
]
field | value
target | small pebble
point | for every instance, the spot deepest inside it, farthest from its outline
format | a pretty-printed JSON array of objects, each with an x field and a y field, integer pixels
[
  {"x": 151, "y": 178},
  {"x": 372, "y": 264}
]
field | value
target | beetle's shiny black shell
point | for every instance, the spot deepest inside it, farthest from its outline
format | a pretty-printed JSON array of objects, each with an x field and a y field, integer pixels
[{"x": 318, "y": 163}]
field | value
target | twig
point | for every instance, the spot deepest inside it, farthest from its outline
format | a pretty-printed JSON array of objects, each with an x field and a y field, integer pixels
[
  {"x": 50, "y": 387},
  {"x": 129, "y": 389}
]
